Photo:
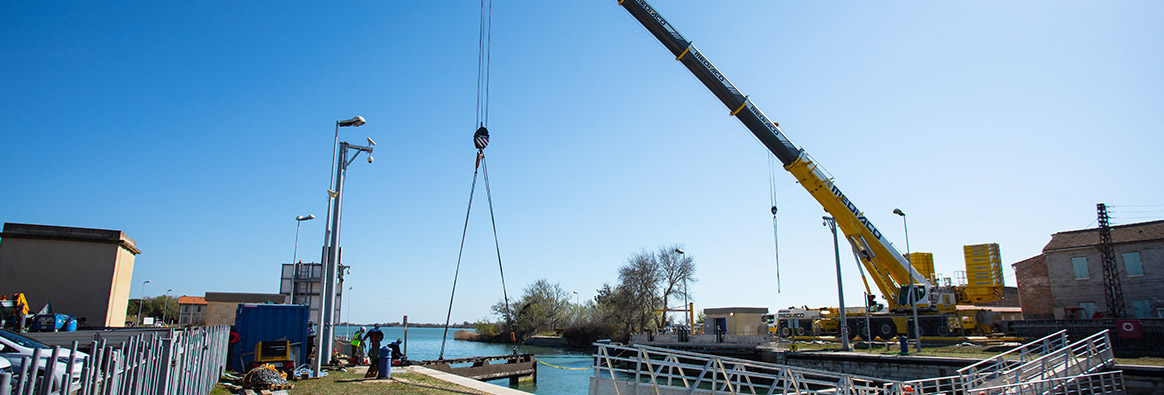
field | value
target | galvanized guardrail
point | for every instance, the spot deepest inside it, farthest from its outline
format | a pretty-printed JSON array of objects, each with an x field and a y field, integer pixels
[
  {"x": 632, "y": 370},
  {"x": 177, "y": 362},
  {"x": 990, "y": 368},
  {"x": 1088, "y": 384}
]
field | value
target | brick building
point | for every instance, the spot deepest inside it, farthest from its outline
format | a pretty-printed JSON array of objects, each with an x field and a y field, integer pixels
[{"x": 1066, "y": 280}]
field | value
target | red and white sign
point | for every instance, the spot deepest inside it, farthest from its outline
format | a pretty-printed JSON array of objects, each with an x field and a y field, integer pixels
[{"x": 1130, "y": 329}]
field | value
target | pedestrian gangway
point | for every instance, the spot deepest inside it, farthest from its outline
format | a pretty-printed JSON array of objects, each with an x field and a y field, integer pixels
[
  {"x": 634, "y": 370},
  {"x": 1050, "y": 365}
]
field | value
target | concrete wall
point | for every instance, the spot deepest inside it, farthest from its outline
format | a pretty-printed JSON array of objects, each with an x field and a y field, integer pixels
[
  {"x": 83, "y": 272},
  {"x": 221, "y": 313},
  {"x": 1068, "y": 292}
]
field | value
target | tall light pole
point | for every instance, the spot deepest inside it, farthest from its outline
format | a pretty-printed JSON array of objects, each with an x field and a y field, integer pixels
[
  {"x": 910, "y": 295},
  {"x": 324, "y": 253},
  {"x": 353, "y": 122},
  {"x": 141, "y": 302},
  {"x": 295, "y": 253},
  {"x": 686, "y": 304},
  {"x": 325, "y": 336},
  {"x": 166, "y": 307},
  {"x": 831, "y": 223},
  {"x": 349, "y": 320}
]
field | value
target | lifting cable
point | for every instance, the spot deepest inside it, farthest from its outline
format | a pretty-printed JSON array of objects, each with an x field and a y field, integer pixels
[
  {"x": 775, "y": 234},
  {"x": 480, "y": 141}
]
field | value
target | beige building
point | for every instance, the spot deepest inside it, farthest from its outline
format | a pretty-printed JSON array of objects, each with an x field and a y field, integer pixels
[
  {"x": 737, "y": 321},
  {"x": 221, "y": 307},
  {"x": 83, "y": 272}
]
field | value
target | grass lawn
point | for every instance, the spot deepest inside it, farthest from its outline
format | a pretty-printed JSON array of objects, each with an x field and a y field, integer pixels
[{"x": 352, "y": 382}]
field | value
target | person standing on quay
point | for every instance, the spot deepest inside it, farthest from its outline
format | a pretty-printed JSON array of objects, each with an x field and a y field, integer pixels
[{"x": 358, "y": 346}]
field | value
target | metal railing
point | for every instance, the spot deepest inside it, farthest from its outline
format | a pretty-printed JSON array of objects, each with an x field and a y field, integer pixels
[
  {"x": 628, "y": 368},
  {"x": 988, "y": 369},
  {"x": 179, "y": 361},
  {"x": 1088, "y": 384},
  {"x": 1080, "y": 358},
  {"x": 940, "y": 385}
]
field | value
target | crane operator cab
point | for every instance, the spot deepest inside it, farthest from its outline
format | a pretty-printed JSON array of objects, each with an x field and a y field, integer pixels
[{"x": 911, "y": 294}]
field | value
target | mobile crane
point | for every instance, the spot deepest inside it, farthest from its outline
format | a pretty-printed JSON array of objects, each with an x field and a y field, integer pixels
[{"x": 889, "y": 269}]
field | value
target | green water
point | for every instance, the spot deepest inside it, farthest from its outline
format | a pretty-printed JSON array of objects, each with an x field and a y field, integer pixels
[{"x": 425, "y": 344}]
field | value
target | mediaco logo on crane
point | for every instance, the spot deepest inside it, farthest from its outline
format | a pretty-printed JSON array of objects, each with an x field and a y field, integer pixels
[{"x": 853, "y": 208}]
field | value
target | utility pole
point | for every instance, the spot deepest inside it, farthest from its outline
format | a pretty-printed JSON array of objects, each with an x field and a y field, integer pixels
[{"x": 1112, "y": 290}]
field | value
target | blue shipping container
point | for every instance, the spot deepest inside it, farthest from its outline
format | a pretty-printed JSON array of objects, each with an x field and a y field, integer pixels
[
  {"x": 255, "y": 323},
  {"x": 54, "y": 323}
]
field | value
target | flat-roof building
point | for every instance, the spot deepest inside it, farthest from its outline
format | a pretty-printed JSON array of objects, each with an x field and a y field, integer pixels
[{"x": 83, "y": 272}]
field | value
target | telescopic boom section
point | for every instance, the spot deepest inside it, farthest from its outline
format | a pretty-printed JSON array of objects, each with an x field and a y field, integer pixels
[{"x": 888, "y": 267}]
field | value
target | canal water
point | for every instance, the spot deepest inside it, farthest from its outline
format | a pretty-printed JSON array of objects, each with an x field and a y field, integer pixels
[{"x": 425, "y": 344}]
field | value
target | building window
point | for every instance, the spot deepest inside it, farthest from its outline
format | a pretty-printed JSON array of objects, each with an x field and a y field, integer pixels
[
  {"x": 199, "y": 309},
  {"x": 1080, "y": 265},
  {"x": 1088, "y": 308},
  {"x": 1141, "y": 309},
  {"x": 1132, "y": 264}
]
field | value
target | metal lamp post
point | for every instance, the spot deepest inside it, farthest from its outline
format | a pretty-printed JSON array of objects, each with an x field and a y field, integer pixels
[
  {"x": 323, "y": 287},
  {"x": 577, "y": 306},
  {"x": 686, "y": 304},
  {"x": 166, "y": 308},
  {"x": 141, "y": 302},
  {"x": 353, "y": 122},
  {"x": 295, "y": 254},
  {"x": 831, "y": 223},
  {"x": 326, "y": 334},
  {"x": 916, "y": 324}
]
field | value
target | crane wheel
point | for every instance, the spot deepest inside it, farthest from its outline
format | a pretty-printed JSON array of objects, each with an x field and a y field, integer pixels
[{"x": 885, "y": 329}]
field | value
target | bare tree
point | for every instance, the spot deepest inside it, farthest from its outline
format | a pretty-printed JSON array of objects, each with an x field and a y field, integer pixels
[
  {"x": 640, "y": 278},
  {"x": 676, "y": 270}
]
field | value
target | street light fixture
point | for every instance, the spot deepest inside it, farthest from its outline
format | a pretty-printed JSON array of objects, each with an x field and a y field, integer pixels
[
  {"x": 141, "y": 302},
  {"x": 910, "y": 294},
  {"x": 326, "y": 334},
  {"x": 295, "y": 253},
  {"x": 831, "y": 223}
]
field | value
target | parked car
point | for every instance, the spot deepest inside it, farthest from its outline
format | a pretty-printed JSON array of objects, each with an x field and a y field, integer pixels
[{"x": 15, "y": 348}]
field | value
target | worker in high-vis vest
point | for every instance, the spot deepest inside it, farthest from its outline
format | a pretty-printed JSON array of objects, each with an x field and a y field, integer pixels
[{"x": 358, "y": 346}]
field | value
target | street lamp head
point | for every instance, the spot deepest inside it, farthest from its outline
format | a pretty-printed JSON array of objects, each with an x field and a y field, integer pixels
[
  {"x": 307, "y": 217},
  {"x": 355, "y": 121},
  {"x": 146, "y": 282},
  {"x": 678, "y": 251},
  {"x": 370, "y": 141},
  {"x": 899, "y": 212}
]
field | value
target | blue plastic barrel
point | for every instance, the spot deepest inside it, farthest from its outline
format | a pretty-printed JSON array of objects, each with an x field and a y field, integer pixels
[{"x": 385, "y": 362}]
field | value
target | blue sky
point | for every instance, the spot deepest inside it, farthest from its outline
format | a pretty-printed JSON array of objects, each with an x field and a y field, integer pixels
[{"x": 203, "y": 129}]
